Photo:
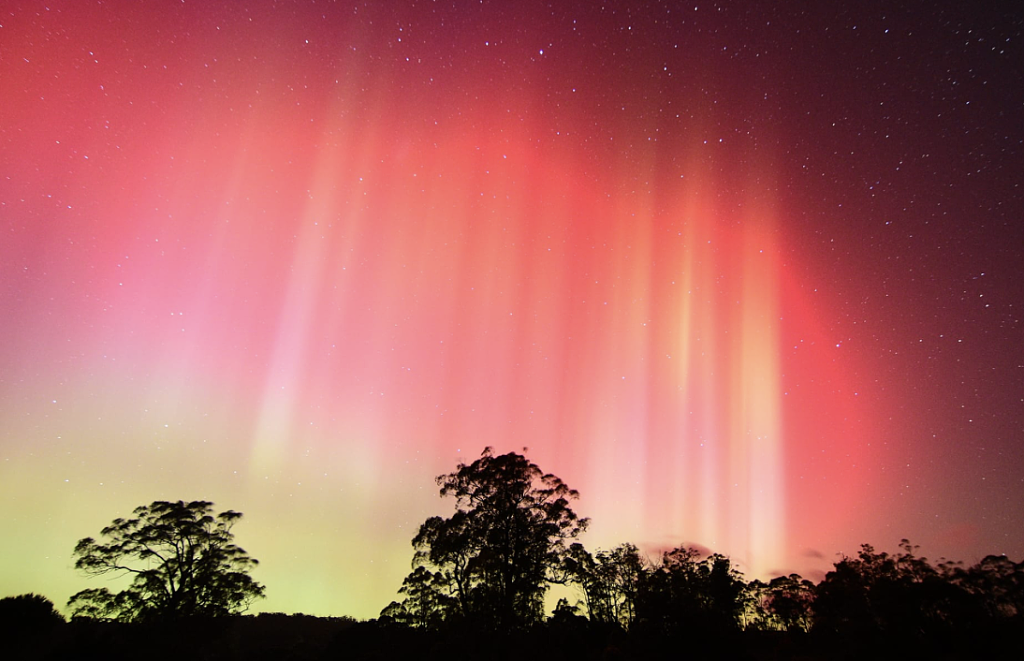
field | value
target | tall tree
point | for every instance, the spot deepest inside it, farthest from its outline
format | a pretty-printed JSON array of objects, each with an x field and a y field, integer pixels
[
  {"x": 493, "y": 560},
  {"x": 182, "y": 560}
]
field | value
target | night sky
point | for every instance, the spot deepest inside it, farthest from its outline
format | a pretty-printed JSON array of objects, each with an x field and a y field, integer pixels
[{"x": 748, "y": 276}]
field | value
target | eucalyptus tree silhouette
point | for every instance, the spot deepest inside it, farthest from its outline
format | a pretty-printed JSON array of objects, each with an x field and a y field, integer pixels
[
  {"x": 182, "y": 560},
  {"x": 492, "y": 561}
]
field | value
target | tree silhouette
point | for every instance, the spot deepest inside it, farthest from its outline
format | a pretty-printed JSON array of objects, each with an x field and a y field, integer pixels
[
  {"x": 610, "y": 581},
  {"x": 686, "y": 592},
  {"x": 788, "y": 601},
  {"x": 28, "y": 623},
  {"x": 182, "y": 561},
  {"x": 492, "y": 561},
  {"x": 997, "y": 583},
  {"x": 29, "y": 610},
  {"x": 895, "y": 594},
  {"x": 428, "y": 602}
]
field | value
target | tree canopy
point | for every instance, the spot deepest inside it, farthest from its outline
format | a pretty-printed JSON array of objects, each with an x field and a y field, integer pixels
[
  {"x": 182, "y": 560},
  {"x": 492, "y": 561}
]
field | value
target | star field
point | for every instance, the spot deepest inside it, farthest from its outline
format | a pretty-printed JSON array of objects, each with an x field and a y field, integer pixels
[{"x": 747, "y": 276}]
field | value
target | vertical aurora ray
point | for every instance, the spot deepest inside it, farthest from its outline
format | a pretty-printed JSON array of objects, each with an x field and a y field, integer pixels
[
  {"x": 760, "y": 413},
  {"x": 288, "y": 370},
  {"x": 714, "y": 470}
]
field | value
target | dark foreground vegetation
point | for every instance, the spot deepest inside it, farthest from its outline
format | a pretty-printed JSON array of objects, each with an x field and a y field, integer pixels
[
  {"x": 305, "y": 638},
  {"x": 477, "y": 588}
]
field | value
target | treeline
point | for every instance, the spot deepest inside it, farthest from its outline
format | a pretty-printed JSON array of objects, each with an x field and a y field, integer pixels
[
  {"x": 488, "y": 567},
  {"x": 478, "y": 585}
]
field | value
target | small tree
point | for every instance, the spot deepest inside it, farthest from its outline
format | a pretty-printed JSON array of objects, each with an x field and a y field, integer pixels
[
  {"x": 788, "y": 601},
  {"x": 32, "y": 611},
  {"x": 182, "y": 560},
  {"x": 28, "y": 623},
  {"x": 610, "y": 581},
  {"x": 684, "y": 591}
]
